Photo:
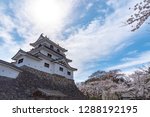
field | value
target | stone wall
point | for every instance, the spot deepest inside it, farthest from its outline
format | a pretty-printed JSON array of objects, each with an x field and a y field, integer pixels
[
  {"x": 7, "y": 88},
  {"x": 31, "y": 79}
]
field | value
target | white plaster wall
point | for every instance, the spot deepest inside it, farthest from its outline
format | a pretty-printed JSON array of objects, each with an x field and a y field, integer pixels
[
  {"x": 69, "y": 76},
  {"x": 28, "y": 62},
  {"x": 45, "y": 69},
  {"x": 64, "y": 72},
  {"x": 39, "y": 65},
  {"x": 8, "y": 72},
  {"x": 32, "y": 63}
]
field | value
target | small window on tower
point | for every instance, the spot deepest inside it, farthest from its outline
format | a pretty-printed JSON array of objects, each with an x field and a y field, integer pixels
[
  {"x": 51, "y": 46},
  {"x": 69, "y": 73},
  {"x": 46, "y": 65},
  {"x": 20, "y": 61},
  {"x": 61, "y": 69},
  {"x": 40, "y": 45},
  {"x": 58, "y": 50},
  {"x": 49, "y": 55}
]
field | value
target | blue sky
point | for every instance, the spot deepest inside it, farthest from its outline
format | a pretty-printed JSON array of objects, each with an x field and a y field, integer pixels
[{"x": 92, "y": 31}]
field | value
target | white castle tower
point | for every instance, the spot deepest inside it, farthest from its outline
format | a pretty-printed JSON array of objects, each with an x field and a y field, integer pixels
[{"x": 45, "y": 56}]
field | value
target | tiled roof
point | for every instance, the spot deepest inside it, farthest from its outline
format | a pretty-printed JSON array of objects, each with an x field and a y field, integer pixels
[
  {"x": 42, "y": 38},
  {"x": 27, "y": 53},
  {"x": 54, "y": 51},
  {"x": 44, "y": 56},
  {"x": 10, "y": 65}
]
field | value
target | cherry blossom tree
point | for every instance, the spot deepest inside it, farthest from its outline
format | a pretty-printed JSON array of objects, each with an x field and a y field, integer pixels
[
  {"x": 140, "y": 84},
  {"x": 106, "y": 86},
  {"x": 115, "y": 85},
  {"x": 140, "y": 16}
]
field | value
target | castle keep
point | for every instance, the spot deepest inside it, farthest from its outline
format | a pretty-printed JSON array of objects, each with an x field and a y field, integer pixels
[{"x": 46, "y": 56}]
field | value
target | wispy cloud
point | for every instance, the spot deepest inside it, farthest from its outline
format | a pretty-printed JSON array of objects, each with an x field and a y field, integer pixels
[
  {"x": 29, "y": 19},
  {"x": 141, "y": 59},
  {"x": 98, "y": 41},
  {"x": 89, "y": 6},
  {"x": 132, "y": 52},
  {"x": 87, "y": 44}
]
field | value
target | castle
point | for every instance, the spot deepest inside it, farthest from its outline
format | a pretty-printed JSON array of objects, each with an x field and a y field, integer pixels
[{"x": 46, "y": 56}]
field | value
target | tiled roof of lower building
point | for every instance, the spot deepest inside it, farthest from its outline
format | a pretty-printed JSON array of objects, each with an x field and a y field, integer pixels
[{"x": 10, "y": 65}]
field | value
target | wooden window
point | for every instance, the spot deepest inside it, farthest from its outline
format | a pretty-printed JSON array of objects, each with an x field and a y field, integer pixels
[
  {"x": 51, "y": 46},
  {"x": 39, "y": 45},
  {"x": 46, "y": 65},
  {"x": 69, "y": 73},
  {"x": 61, "y": 69},
  {"x": 20, "y": 61},
  {"x": 49, "y": 55},
  {"x": 58, "y": 50}
]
